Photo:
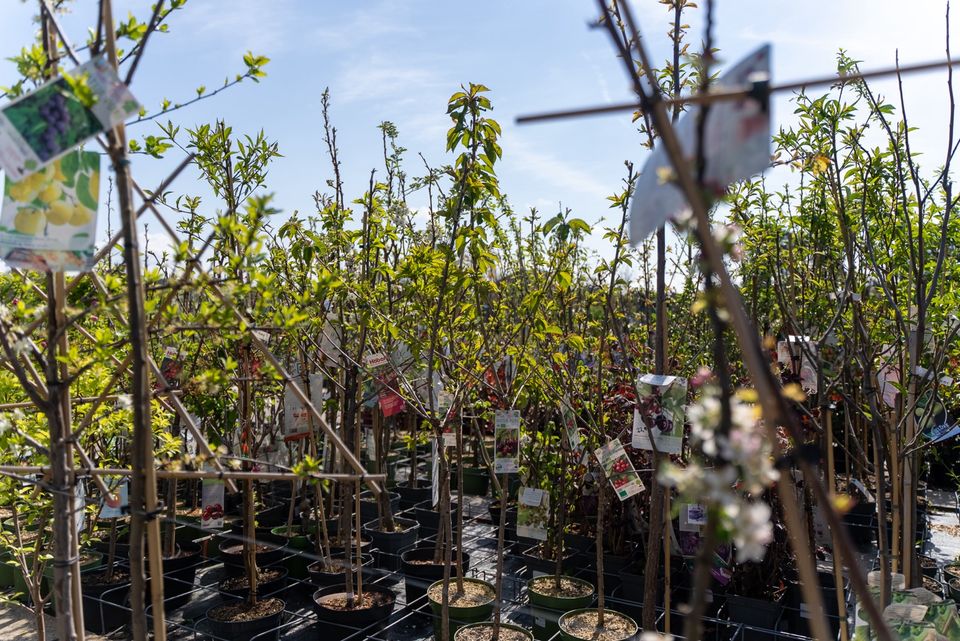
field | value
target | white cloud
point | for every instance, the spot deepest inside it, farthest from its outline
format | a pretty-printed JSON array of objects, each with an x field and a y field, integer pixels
[
  {"x": 375, "y": 78},
  {"x": 244, "y": 25},
  {"x": 362, "y": 26},
  {"x": 551, "y": 170}
]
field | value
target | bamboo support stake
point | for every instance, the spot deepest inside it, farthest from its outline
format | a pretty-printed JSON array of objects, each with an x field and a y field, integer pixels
[
  {"x": 59, "y": 298},
  {"x": 737, "y": 93},
  {"x": 143, "y": 492},
  {"x": 66, "y": 574},
  {"x": 667, "y": 534}
]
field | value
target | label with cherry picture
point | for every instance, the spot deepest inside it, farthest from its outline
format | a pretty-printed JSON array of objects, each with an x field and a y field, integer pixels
[
  {"x": 211, "y": 491},
  {"x": 619, "y": 470},
  {"x": 506, "y": 438}
]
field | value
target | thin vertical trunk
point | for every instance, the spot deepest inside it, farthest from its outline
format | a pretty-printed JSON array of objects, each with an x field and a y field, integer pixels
[
  {"x": 562, "y": 513},
  {"x": 460, "y": 504},
  {"x": 600, "y": 595},
  {"x": 65, "y": 571},
  {"x": 143, "y": 487},
  {"x": 250, "y": 542},
  {"x": 63, "y": 497},
  {"x": 504, "y": 483},
  {"x": 359, "y": 542},
  {"x": 249, "y": 527},
  {"x": 837, "y": 554}
]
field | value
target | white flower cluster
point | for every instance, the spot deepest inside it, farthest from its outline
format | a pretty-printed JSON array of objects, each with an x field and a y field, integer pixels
[{"x": 743, "y": 469}]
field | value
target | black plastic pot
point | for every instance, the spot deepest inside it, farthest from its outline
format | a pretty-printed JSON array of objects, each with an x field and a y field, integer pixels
[
  {"x": 307, "y": 524},
  {"x": 322, "y": 579},
  {"x": 538, "y": 566},
  {"x": 246, "y": 630},
  {"x": 388, "y": 545},
  {"x": 102, "y": 611},
  {"x": 275, "y": 587},
  {"x": 179, "y": 574},
  {"x": 632, "y": 585},
  {"x": 476, "y": 480},
  {"x": 798, "y": 614},
  {"x": 369, "y": 509},
  {"x": 429, "y": 517},
  {"x": 859, "y": 523},
  {"x": 366, "y": 546},
  {"x": 417, "y": 577},
  {"x": 928, "y": 566},
  {"x": 273, "y": 515},
  {"x": 579, "y": 542},
  {"x": 410, "y": 496},
  {"x": 756, "y": 613},
  {"x": 231, "y": 552},
  {"x": 338, "y": 624}
]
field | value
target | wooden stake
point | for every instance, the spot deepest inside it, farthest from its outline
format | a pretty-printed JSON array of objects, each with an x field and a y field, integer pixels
[
  {"x": 143, "y": 491},
  {"x": 737, "y": 93}
]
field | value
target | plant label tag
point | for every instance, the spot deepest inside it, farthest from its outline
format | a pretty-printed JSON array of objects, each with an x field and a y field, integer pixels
[
  {"x": 375, "y": 361},
  {"x": 371, "y": 444},
  {"x": 43, "y": 125},
  {"x": 905, "y": 611},
  {"x": 533, "y": 513},
  {"x": 113, "y": 506},
  {"x": 619, "y": 470},
  {"x": 736, "y": 146},
  {"x": 506, "y": 436},
  {"x": 531, "y": 496},
  {"x": 49, "y": 218},
  {"x": 449, "y": 437},
  {"x": 661, "y": 403},
  {"x": 212, "y": 502},
  {"x": 262, "y": 335}
]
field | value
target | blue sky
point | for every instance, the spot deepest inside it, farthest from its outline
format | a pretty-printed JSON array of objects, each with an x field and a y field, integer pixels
[{"x": 400, "y": 61}]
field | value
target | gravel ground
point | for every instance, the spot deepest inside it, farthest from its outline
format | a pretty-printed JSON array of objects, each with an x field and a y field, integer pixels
[{"x": 17, "y": 624}]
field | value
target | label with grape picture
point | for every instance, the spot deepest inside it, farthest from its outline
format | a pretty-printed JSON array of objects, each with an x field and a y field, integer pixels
[
  {"x": 45, "y": 124},
  {"x": 619, "y": 470},
  {"x": 661, "y": 403},
  {"x": 506, "y": 438},
  {"x": 48, "y": 220}
]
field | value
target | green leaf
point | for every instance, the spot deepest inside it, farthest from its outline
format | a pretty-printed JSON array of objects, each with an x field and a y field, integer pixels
[
  {"x": 83, "y": 193},
  {"x": 69, "y": 165}
]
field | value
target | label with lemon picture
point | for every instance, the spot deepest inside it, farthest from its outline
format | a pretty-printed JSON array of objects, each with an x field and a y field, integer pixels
[{"x": 49, "y": 219}]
